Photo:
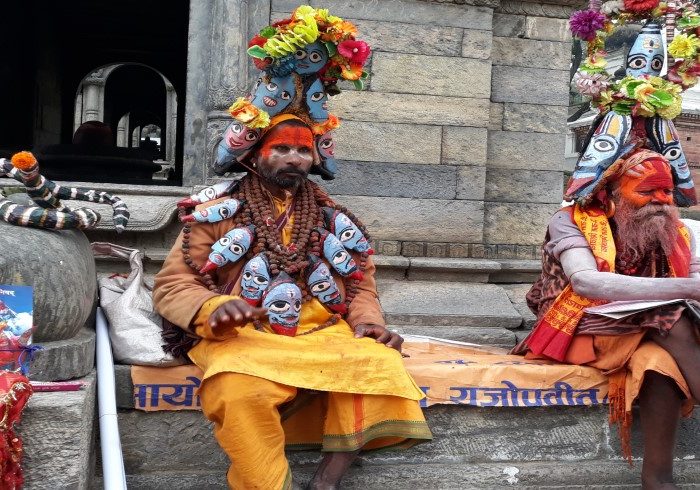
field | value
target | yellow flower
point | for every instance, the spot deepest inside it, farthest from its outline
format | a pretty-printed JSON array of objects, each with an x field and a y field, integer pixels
[
  {"x": 643, "y": 91},
  {"x": 596, "y": 62},
  {"x": 605, "y": 98},
  {"x": 644, "y": 110},
  {"x": 261, "y": 121},
  {"x": 323, "y": 16},
  {"x": 303, "y": 11},
  {"x": 671, "y": 111},
  {"x": 684, "y": 46},
  {"x": 243, "y": 110}
]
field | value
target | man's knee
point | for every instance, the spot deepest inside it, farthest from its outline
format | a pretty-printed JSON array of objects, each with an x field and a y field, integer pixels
[
  {"x": 241, "y": 390},
  {"x": 684, "y": 334}
]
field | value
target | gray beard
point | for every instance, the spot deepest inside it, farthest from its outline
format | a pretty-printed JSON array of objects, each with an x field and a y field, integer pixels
[{"x": 282, "y": 182}]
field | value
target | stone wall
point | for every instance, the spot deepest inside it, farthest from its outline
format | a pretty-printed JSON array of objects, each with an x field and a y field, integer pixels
[{"x": 455, "y": 148}]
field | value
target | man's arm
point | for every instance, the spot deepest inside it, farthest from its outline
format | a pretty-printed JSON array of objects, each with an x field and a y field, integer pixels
[{"x": 580, "y": 267}]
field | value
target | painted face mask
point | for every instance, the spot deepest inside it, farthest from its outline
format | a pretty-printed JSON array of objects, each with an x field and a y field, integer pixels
[
  {"x": 602, "y": 150},
  {"x": 337, "y": 256},
  {"x": 229, "y": 248},
  {"x": 311, "y": 58},
  {"x": 664, "y": 139},
  {"x": 646, "y": 56},
  {"x": 283, "y": 302},
  {"x": 209, "y": 194},
  {"x": 346, "y": 231},
  {"x": 237, "y": 140},
  {"x": 255, "y": 279},
  {"x": 215, "y": 213},
  {"x": 326, "y": 149},
  {"x": 323, "y": 286},
  {"x": 275, "y": 95},
  {"x": 317, "y": 102}
]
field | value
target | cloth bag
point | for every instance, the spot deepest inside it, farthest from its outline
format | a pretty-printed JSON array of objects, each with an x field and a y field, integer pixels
[{"x": 134, "y": 326}]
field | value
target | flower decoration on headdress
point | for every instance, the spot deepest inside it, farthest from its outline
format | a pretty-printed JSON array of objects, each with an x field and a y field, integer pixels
[
  {"x": 244, "y": 111},
  {"x": 585, "y": 23},
  {"x": 639, "y": 6}
]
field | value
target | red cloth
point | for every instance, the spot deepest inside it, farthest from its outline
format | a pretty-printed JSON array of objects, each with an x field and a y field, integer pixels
[{"x": 15, "y": 391}]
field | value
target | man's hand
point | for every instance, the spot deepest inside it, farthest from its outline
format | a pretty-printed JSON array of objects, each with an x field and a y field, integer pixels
[
  {"x": 235, "y": 313},
  {"x": 382, "y": 334}
]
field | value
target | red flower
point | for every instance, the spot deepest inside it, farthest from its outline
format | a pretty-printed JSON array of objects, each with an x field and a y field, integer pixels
[
  {"x": 260, "y": 64},
  {"x": 354, "y": 51},
  {"x": 640, "y": 5}
]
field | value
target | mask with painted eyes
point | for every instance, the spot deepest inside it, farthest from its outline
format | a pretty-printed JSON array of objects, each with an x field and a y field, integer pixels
[
  {"x": 275, "y": 95},
  {"x": 646, "y": 56},
  {"x": 255, "y": 279},
  {"x": 311, "y": 58},
  {"x": 215, "y": 213},
  {"x": 237, "y": 141},
  {"x": 282, "y": 299},
  {"x": 603, "y": 149},
  {"x": 326, "y": 149},
  {"x": 336, "y": 255},
  {"x": 209, "y": 194},
  {"x": 230, "y": 248},
  {"x": 323, "y": 286},
  {"x": 317, "y": 102},
  {"x": 664, "y": 140},
  {"x": 346, "y": 231}
]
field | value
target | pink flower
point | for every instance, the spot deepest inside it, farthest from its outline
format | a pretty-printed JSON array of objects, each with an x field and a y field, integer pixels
[
  {"x": 355, "y": 51},
  {"x": 591, "y": 84},
  {"x": 584, "y": 23}
]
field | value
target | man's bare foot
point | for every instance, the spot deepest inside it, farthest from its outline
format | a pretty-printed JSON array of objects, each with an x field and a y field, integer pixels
[
  {"x": 655, "y": 484},
  {"x": 332, "y": 468}
]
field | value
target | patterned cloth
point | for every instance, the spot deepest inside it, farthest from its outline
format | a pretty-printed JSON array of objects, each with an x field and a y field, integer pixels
[{"x": 14, "y": 394}]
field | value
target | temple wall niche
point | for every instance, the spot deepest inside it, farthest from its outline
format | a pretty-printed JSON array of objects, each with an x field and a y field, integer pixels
[{"x": 455, "y": 148}]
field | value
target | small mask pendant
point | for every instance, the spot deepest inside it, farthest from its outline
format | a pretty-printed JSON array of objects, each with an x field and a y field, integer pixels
[
  {"x": 346, "y": 231},
  {"x": 229, "y": 248},
  {"x": 282, "y": 299},
  {"x": 337, "y": 256},
  {"x": 215, "y": 213},
  {"x": 323, "y": 286},
  {"x": 255, "y": 279}
]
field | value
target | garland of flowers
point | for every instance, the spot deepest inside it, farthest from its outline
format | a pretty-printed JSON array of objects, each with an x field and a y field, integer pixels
[{"x": 646, "y": 96}]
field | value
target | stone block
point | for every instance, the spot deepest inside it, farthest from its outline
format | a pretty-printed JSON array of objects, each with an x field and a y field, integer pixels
[
  {"x": 432, "y": 75},
  {"x": 465, "y": 16},
  {"x": 464, "y": 146},
  {"x": 531, "y": 118},
  {"x": 387, "y": 247},
  {"x": 471, "y": 182},
  {"x": 496, "y": 114},
  {"x": 519, "y": 270},
  {"x": 413, "y": 249},
  {"x": 530, "y": 53},
  {"x": 433, "y": 268},
  {"x": 436, "y": 249},
  {"x": 516, "y": 293},
  {"x": 384, "y": 142},
  {"x": 458, "y": 250},
  {"x": 65, "y": 359},
  {"x": 519, "y": 223},
  {"x": 483, "y": 251},
  {"x": 497, "y": 337},
  {"x": 393, "y": 180},
  {"x": 530, "y": 85},
  {"x": 390, "y": 267},
  {"x": 58, "y": 433},
  {"x": 505, "y": 251},
  {"x": 508, "y": 25},
  {"x": 398, "y": 37},
  {"x": 509, "y": 185},
  {"x": 446, "y": 303},
  {"x": 390, "y": 218},
  {"x": 547, "y": 29},
  {"x": 477, "y": 44},
  {"x": 410, "y": 109},
  {"x": 535, "y": 151}
]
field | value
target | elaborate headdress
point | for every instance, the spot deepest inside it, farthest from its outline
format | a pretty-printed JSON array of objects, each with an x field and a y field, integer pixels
[
  {"x": 637, "y": 110},
  {"x": 301, "y": 58}
]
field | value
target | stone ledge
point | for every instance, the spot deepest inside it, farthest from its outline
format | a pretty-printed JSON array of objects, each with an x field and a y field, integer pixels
[{"x": 64, "y": 359}]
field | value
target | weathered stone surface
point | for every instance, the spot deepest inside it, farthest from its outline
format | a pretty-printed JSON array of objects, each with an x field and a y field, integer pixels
[
  {"x": 390, "y": 267},
  {"x": 547, "y": 29},
  {"x": 394, "y": 179},
  {"x": 535, "y": 151},
  {"x": 464, "y": 146},
  {"x": 436, "y": 249},
  {"x": 530, "y": 85},
  {"x": 418, "y": 12},
  {"x": 60, "y": 267},
  {"x": 434, "y": 75},
  {"x": 65, "y": 359},
  {"x": 413, "y": 249},
  {"x": 57, "y": 430},
  {"x": 477, "y": 44},
  {"x": 524, "y": 224},
  {"x": 532, "y": 118},
  {"x": 444, "y": 303},
  {"x": 397, "y": 37},
  {"x": 516, "y": 293},
  {"x": 509, "y": 185},
  {"x": 496, "y": 116},
  {"x": 458, "y": 250},
  {"x": 389, "y": 218},
  {"x": 530, "y": 53},
  {"x": 387, "y": 247},
  {"x": 384, "y": 142},
  {"x": 525, "y": 271},
  {"x": 498, "y": 337},
  {"x": 471, "y": 182},
  {"x": 410, "y": 109},
  {"x": 508, "y": 25}
]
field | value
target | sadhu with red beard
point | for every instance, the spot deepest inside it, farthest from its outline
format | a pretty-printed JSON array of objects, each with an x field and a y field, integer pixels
[{"x": 626, "y": 244}]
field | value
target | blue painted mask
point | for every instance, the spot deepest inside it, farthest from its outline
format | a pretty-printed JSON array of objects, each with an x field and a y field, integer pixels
[
  {"x": 346, "y": 231},
  {"x": 237, "y": 141},
  {"x": 326, "y": 149},
  {"x": 275, "y": 95},
  {"x": 337, "y": 256},
  {"x": 215, "y": 213},
  {"x": 230, "y": 248},
  {"x": 209, "y": 194},
  {"x": 323, "y": 286},
  {"x": 664, "y": 140},
  {"x": 646, "y": 56},
  {"x": 603, "y": 149},
  {"x": 255, "y": 279},
  {"x": 311, "y": 58},
  {"x": 282, "y": 300},
  {"x": 317, "y": 102}
]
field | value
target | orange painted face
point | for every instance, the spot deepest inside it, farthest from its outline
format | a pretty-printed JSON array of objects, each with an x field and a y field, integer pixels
[
  {"x": 290, "y": 136},
  {"x": 286, "y": 155},
  {"x": 649, "y": 182}
]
